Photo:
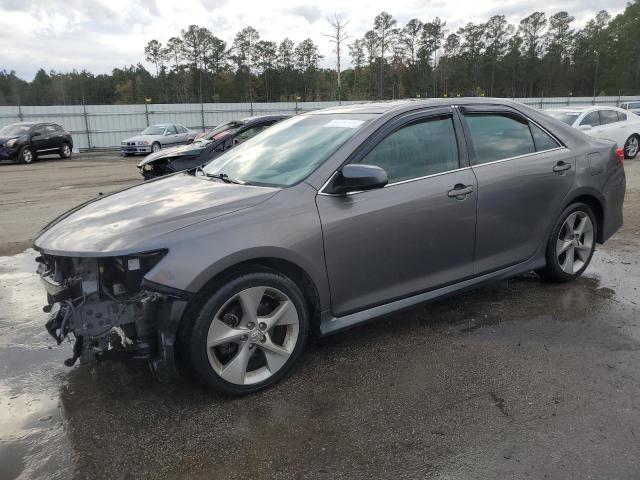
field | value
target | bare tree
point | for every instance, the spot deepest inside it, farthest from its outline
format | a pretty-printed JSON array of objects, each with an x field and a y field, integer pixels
[{"x": 338, "y": 37}]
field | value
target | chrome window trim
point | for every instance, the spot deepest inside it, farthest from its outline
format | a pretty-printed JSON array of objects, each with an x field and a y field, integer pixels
[
  {"x": 400, "y": 182},
  {"x": 519, "y": 156}
]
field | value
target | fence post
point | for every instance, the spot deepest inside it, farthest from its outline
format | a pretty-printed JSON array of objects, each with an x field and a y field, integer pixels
[
  {"x": 618, "y": 101},
  {"x": 20, "y": 116},
  {"x": 296, "y": 111},
  {"x": 251, "y": 108},
  {"x": 86, "y": 123},
  {"x": 202, "y": 115},
  {"x": 146, "y": 112}
]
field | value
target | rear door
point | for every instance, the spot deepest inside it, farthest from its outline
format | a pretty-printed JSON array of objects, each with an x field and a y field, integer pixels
[
  {"x": 413, "y": 235},
  {"x": 611, "y": 128},
  {"x": 523, "y": 175}
]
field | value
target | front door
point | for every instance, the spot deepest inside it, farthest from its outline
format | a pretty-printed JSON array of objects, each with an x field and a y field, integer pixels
[
  {"x": 523, "y": 175},
  {"x": 415, "y": 234}
]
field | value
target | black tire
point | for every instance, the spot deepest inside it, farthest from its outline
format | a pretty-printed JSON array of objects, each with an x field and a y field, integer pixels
[
  {"x": 553, "y": 271},
  {"x": 65, "y": 151},
  {"x": 626, "y": 145},
  {"x": 26, "y": 155},
  {"x": 192, "y": 334},
  {"x": 153, "y": 147}
]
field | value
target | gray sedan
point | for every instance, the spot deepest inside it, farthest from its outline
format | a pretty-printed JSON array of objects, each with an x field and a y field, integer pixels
[
  {"x": 155, "y": 137},
  {"x": 322, "y": 222}
]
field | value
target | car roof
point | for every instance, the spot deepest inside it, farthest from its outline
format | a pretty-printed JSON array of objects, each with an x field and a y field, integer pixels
[
  {"x": 582, "y": 108},
  {"x": 257, "y": 118}
]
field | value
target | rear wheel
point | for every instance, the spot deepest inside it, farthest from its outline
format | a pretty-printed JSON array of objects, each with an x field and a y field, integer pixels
[
  {"x": 245, "y": 335},
  {"x": 632, "y": 146},
  {"x": 26, "y": 155},
  {"x": 571, "y": 245},
  {"x": 65, "y": 151}
]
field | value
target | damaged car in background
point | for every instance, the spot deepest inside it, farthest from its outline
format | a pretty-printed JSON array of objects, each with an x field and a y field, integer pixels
[
  {"x": 206, "y": 147},
  {"x": 322, "y": 222}
]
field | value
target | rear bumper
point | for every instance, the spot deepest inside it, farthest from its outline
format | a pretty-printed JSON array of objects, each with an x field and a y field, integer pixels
[{"x": 614, "y": 193}]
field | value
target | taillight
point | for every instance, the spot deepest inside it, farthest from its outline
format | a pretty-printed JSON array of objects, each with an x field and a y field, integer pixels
[{"x": 620, "y": 155}]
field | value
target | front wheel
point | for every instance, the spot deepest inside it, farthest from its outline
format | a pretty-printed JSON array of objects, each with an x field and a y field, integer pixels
[
  {"x": 155, "y": 147},
  {"x": 26, "y": 155},
  {"x": 571, "y": 245},
  {"x": 631, "y": 147},
  {"x": 65, "y": 151},
  {"x": 245, "y": 335}
]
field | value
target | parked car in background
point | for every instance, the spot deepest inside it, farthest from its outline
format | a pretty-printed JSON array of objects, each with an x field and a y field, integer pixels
[
  {"x": 26, "y": 141},
  {"x": 632, "y": 106},
  {"x": 322, "y": 222},
  {"x": 205, "y": 148},
  {"x": 608, "y": 123},
  {"x": 156, "y": 137}
]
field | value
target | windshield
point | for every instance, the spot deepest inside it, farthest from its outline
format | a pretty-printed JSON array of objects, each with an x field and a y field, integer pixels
[
  {"x": 154, "y": 130},
  {"x": 11, "y": 130},
  {"x": 566, "y": 117},
  {"x": 289, "y": 151},
  {"x": 222, "y": 128}
]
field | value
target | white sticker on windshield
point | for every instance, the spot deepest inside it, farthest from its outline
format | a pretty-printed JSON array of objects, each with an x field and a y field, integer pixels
[{"x": 344, "y": 123}]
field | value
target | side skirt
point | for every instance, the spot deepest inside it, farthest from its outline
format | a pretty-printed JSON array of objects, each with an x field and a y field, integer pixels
[{"x": 330, "y": 324}]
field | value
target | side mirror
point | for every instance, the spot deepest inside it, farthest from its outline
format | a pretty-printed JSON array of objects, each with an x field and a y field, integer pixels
[
  {"x": 356, "y": 177},
  {"x": 585, "y": 127},
  {"x": 189, "y": 141},
  {"x": 36, "y": 134}
]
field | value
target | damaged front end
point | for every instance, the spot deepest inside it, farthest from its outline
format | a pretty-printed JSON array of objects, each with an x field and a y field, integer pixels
[{"x": 108, "y": 307}]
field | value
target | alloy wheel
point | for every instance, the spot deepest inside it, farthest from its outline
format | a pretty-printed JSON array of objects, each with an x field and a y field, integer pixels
[
  {"x": 27, "y": 155},
  {"x": 575, "y": 242},
  {"x": 631, "y": 149},
  {"x": 253, "y": 335},
  {"x": 66, "y": 151},
  {"x": 155, "y": 147}
]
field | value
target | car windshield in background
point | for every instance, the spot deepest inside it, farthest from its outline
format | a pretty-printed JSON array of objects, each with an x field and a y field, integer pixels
[
  {"x": 289, "y": 151},
  {"x": 154, "y": 130},
  {"x": 566, "y": 117},
  {"x": 11, "y": 130},
  {"x": 222, "y": 128}
]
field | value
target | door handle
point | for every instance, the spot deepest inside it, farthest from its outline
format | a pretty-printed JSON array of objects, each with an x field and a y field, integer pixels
[
  {"x": 561, "y": 167},
  {"x": 460, "y": 191}
]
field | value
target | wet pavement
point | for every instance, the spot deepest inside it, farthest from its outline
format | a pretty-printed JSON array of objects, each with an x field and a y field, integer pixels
[{"x": 518, "y": 379}]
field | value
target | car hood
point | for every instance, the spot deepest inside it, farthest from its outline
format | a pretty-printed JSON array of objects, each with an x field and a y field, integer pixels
[
  {"x": 192, "y": 149},
  {"x": 135, "y": 219},
  {"x": 142, "y": 138}
]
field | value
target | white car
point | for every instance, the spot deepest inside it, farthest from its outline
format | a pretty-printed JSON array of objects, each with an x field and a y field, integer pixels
[
  {"x": 609, "y": 123},
  {"x": 633, "y": 106},
  {"x": 155, "y": 137}
]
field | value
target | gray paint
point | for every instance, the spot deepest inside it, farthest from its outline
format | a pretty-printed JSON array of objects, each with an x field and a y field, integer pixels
[{"x": 371, "y": 242}]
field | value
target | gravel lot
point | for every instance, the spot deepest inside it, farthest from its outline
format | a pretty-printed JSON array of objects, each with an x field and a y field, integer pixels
[
  {"x": 32, "y": 195},
  {"x": 519, "y": 379}
]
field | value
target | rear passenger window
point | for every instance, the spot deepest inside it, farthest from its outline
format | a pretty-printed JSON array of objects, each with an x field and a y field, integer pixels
[
  {"x": 542, "y": 139},
  {"x": 417, "y": 150},
  {"x": 592, "y": 119},
  {"x": 608, "y": 116},
  {"x": 496, "y": 137}
]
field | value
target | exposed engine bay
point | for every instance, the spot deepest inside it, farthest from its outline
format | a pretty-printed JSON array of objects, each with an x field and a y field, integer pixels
[{"x": 104, "y": 304}]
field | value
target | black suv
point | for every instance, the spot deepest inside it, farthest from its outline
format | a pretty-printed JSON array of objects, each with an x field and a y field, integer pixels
[{"x": 27, "y": 141}]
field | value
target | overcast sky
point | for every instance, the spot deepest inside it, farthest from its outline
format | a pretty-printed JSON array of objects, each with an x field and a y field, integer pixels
[{"x": 99, "y": 35}]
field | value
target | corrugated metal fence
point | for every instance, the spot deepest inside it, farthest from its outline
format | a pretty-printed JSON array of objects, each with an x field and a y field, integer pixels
[{"x": 97, "y": 127}]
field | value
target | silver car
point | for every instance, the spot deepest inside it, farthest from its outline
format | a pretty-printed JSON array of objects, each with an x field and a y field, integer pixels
[
  {"x": 156, "y": 137},
  {"x": 325, "y": 221}
]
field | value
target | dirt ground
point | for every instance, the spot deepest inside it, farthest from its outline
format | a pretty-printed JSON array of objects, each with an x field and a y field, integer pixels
[
  {"x": 518, "y": 379},
  {"x": 32, "y": 195}
]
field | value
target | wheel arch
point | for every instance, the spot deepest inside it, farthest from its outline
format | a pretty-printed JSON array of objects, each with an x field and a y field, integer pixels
[
  {"x": 596, "y": 205},
  {"x": 285, "y": 267}
]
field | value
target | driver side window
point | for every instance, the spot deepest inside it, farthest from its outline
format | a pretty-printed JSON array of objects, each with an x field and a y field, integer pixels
[
  {"x": 592, "y": 119},
  {"x": 416, "y": 150},
  {"x": 247, "y": 134}
]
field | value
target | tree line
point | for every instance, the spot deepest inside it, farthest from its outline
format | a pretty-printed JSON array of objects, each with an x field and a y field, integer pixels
[{"x": 542, "y": 55}]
